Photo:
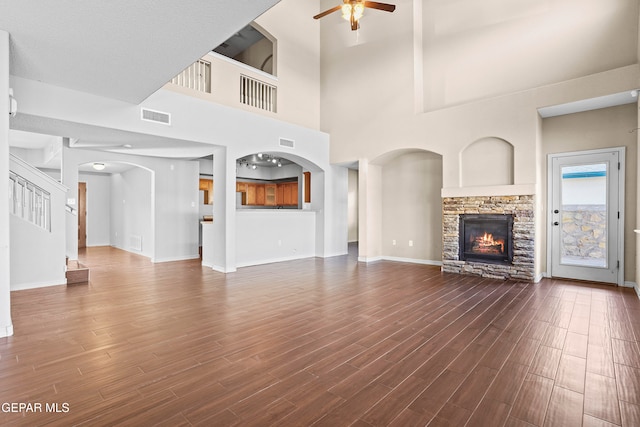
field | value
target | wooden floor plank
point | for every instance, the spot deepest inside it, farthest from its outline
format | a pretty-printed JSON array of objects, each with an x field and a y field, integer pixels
[{"x": 325, "y": 341}]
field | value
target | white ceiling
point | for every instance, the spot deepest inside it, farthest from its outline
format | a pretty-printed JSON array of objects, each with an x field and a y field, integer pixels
[{"x": 118, "y": 49}]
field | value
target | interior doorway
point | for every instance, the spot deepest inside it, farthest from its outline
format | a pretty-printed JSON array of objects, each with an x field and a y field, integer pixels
[
  {"x": 586, "y": 227},
  {"x": 82, "y": 215}
]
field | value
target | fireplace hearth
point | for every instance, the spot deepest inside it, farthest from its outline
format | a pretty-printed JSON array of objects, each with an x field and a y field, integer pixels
[
  {"x": 490, "y": 258},
  {"x": 486, "y": 238}
]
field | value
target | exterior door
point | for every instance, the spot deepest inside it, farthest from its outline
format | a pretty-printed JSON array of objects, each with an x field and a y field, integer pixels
[
  {"x": 586, "y": 200},
  {"x": 82, "y": 215}
]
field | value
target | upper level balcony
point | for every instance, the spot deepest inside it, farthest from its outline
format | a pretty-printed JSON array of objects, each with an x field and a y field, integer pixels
[{"x": 243, "y": 73}]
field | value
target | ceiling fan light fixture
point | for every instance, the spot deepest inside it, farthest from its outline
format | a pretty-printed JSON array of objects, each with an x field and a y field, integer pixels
[{"x": 352, "y": 10}]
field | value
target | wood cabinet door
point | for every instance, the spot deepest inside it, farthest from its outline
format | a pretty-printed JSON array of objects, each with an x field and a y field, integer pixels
[
  {"x": 294, "y": 193},
  {"x": 251, "y": 194},
  {"x": 260, "y": 196},
  {"x": 241, "y": 187},
  {"x": 206, "y": 185},
  {"x": 286, "y": 198},
  {"x": 280, "y": 195},
  {"x": 270, "y": 191}
]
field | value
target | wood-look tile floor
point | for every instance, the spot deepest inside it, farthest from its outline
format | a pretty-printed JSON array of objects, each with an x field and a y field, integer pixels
[{"x": 318, "y": 342}]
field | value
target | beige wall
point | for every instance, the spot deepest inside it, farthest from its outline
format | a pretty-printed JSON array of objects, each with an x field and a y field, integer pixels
[
  {"x": 607, "y": 127},
  {"x": 297, "y": 63},
  {"x": 412, "y": 207},
  {"x": 258, "y": 54},
  {"x": 473, "y": 50},
  {"x": 477, "y": 79}
]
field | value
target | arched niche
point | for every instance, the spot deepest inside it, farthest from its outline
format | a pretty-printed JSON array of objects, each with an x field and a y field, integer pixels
[
  {"x": 487, "y": 162},
  {"x": 253, "y": 46}
]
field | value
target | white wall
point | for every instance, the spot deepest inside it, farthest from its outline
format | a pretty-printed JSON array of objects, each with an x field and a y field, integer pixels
[
  {"x": 132, "y": 211},
  {"x": 6, "y": 327},
  {"x": 272, "y": 236},
  {"x": 174, "y": 194}
]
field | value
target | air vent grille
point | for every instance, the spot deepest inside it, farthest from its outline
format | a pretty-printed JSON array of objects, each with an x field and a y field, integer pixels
[
  {"x": 155, "y": 116},
  {"x": 289, "y": 143}
]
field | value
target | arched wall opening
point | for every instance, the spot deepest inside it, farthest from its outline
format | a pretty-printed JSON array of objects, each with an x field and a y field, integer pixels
[
  {"x": 400, "y": 207},
  {"x": 278, "y": 233},
  {"x": 487, "y": 161},
  {"x": 120, "y": 202}
]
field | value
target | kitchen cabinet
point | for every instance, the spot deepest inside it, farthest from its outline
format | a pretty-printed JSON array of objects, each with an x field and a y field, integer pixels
[
  {"x": 206, "y": 185},
  {"x": 256, "y": 194},
  {"x": 287, "y": 194},
  {"x": 270, "y": 191},
  {"x": 241, "y": 187},
  {"x": 260, "y": 194}
]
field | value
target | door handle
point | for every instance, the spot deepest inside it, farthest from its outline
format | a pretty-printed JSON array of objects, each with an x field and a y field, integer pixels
[
  {"x": 556, "y": 211},
  {"x": 556, "y": 223}
]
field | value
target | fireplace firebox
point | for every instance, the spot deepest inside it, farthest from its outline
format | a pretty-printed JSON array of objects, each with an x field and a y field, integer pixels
[{"x": 486, "y": 238}]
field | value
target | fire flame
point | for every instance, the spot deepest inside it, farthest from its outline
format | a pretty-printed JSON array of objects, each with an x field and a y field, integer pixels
[{"x": 486, "y": 243}]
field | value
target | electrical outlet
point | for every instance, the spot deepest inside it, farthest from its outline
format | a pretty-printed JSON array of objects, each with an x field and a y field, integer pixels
[
  {"x": 410, "y": 242},
  {"x": 393, "y": 242},
  {"x": 279, "y": 242}
]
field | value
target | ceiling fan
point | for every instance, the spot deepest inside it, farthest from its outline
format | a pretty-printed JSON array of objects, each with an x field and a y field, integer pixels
[{"x": 352, "y": 10}]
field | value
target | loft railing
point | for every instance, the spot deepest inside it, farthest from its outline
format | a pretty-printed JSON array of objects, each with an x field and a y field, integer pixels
[
  {"x": 29, "y": 202},
  {"x": 197, "y": 77},
  {"x": 257, "y": 93}
]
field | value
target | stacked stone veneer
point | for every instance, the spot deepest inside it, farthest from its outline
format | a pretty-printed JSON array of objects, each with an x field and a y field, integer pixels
[
  {"x": 584, "y": 231},
  {"x": 522, "y": 208}
]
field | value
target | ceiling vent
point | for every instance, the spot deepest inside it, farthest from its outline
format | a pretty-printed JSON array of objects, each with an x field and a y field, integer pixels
[
  {"x": 155, "y": 116},
  {"x": 289, "y": 143}
]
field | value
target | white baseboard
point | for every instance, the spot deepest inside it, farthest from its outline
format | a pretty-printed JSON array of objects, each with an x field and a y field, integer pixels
[
  {"x": 34, "y": 285},
  {"x": 369, "y": 259},
  {"x": 221, "y": 269},
  {"x": 7, "y": 331},
  {"x": 334, "y": 254},
  {"x": 272, "y": 260},
  {"x": 633, "y": 285},
  {"x": 171, "y": 259},
  {"x": 413, "y": 260},
  {"x": 540, "y": 276}
]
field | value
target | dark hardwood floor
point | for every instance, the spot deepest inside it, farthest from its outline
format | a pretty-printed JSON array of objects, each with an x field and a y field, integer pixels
[{"x": 318, "y": 342}]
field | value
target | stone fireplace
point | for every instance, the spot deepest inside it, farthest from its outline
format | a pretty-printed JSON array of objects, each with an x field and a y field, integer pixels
[
  {"x": 486, "y": 238},
  {"x": 489, "y": 236}
]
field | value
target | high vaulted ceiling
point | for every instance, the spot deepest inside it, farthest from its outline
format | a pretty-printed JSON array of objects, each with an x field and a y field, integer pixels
[{"x": 118, "y": 49}]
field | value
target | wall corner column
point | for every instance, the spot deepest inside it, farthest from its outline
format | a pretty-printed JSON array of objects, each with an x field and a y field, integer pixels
[
  {"x": 6, "y": 326},
  {"x": 369, "y": 211},
  {"x": 224, "y": 219}
]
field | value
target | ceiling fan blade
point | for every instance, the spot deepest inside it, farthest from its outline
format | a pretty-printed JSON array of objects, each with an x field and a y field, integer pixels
[
  {"x": 326, "y": 12},
  {"x": 380, "y": 6}
]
